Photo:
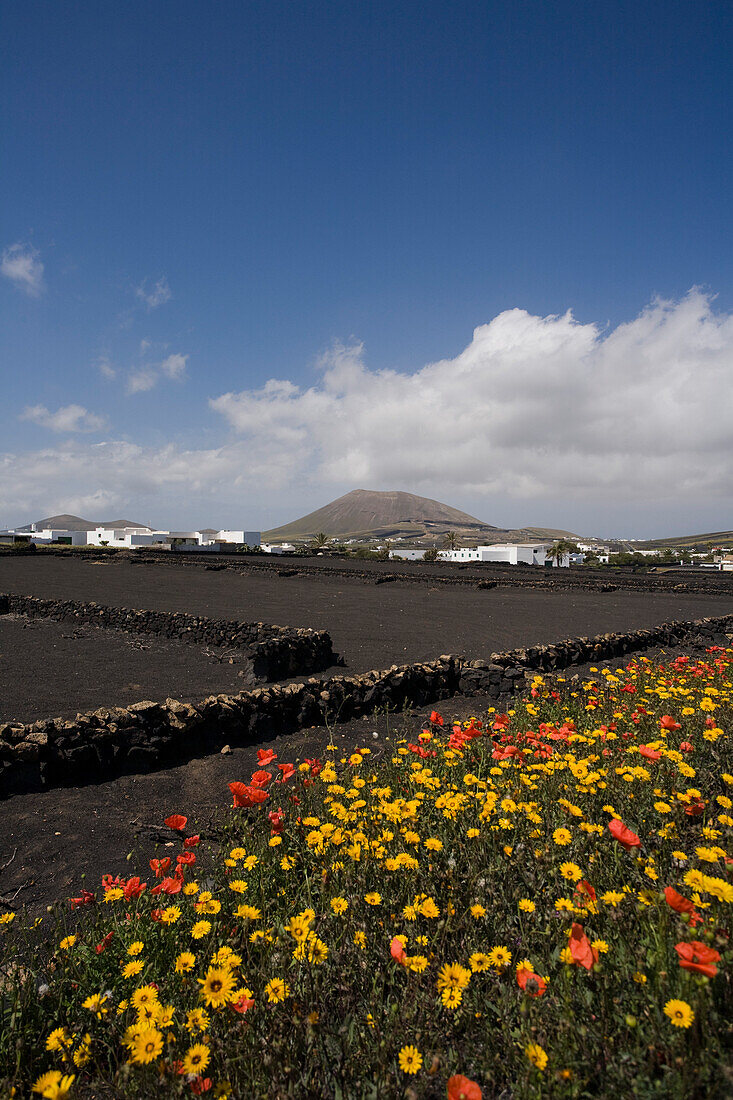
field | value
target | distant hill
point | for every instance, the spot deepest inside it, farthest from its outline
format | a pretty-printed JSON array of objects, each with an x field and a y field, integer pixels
[
  {"x": 76, "y": 523},
  {"x": 368, "y": 515},
  {"x": 686, "y": 542}
]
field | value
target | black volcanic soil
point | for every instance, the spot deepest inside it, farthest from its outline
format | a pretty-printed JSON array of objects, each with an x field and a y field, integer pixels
[
  {"x": 371, "y": 625},
  {"x": 52, "y": 669},
  {"x": 55, "y": 837}
]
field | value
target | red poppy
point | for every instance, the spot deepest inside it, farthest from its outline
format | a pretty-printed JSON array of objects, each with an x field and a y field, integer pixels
[
  {"x": 667, "y": 722},
  {"x": 686, "y": 746},
  {"x": 260, "y": 778},
  {"x": 695, "y": 808},
  {"x": 242, "y": 1005},
  {"x": 177, "y": 822},
  {"x": 315, "y": 766},
  {"x": 85, "y": 899},
  {"x": 191, "y": 841},
  {"x": 160, "y": 866},
  {"x": 265, "y": 757},
  {"x": 681, "y": 904},
  {"x": 585, "y": 890},
  {"x": 698, "y": 957},
  {"x": 580, "y": 948},
  {"x": 288, "y": 771},
  {"x": 277, "y": 818},
  {"x": 168, "y": 886},
  {"x": 436, "y": 718},
  {"x": 201, "y": 1084},
  {"x": 530, "y": 982},
  {"x": 133, "y": 888},
  {"x": 397, "y": 950},
  {"x": 462, "y": 1088},
  {"x": 186, "y": 859},
  {"x": 104, "y": 944},
  {"x": 626, "y": 838},
  {"x": 649, "y": 754},
  {"x": 245, "y": 796}
]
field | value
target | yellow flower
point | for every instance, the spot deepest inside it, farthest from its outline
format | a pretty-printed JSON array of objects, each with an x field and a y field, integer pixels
[
  {"x": 479, "y": 961},
  {"x": 562, "y": 837},
  {"x": 360, "y": 939},
  {"x": 146, "y": 1046},
  {"x": 451, "y": 998},
  {"x": 135, "y": 948},
  {"x": 639, "y": 978},
  {"x": 54, "y": 1085},
  {"x": 612, "y": 897},
  {"x": 433, "y": 844},
  {"x": 571, "y": 872},
  {"x": 59, "y": 1039},
  {"x": 200, "y": 929},
  {"x": 170, "y": 915},
  {"x": 679, "y": 1013},
  {"x": 217, "y": 986},
  {"x": 410, "y": 1060},
  {"x": 277, "y": 990},
  {"x": 197, "y": 1020},
  {"x": 527, "y": 906},
  {"x": 196, "y": 1059},
  {"x": 454, "y": 976},
  {"x": 339, "y": 905},
  {"x": 500, "y": 957},
  {"x": 67, "y": 942},
  {"x": 132, "y": 969},
  {"x": 185, "y": 962},
  {"x": 536, "y": 1055},
  {"x": 478, "y": 911},
  {"x": 238, "y": 885},
  {"x": 97, "y": 1004},
  {"x": 145, "y": 995},
  {"x": 429, "y": 909},
  {"x": 248, "y": 912},
  {"x": 373, "y": 898}
]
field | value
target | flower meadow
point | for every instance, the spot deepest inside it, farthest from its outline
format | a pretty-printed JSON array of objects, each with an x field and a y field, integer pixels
[{"x": 533, "y": 903}]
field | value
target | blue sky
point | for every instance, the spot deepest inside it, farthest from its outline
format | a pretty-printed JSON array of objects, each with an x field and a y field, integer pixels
[{"x": 198, "y": 199}]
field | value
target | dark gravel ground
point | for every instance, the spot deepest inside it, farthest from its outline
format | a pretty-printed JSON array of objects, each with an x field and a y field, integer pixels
[
  {"x": 55, "y": 669},
  {"x": 372, "y": 626},
  {"x": 54, "y": 838}
]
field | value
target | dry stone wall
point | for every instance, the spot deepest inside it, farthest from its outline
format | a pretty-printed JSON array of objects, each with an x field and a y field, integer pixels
[
  {"x": 148, "y": 735},
  {"x": 274, "y": 652}
]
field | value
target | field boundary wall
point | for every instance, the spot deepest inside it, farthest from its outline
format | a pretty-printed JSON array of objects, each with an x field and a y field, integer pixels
[
  {"x": 148, "y": 735},
  {"x": 274, "y": 652}
]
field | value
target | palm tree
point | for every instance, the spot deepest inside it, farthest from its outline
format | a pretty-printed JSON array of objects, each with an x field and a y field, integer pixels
[
  {"x": 319, "y": 540},
  {"x": 559, "y": 549},
  {"x": 450, "y": 542}
]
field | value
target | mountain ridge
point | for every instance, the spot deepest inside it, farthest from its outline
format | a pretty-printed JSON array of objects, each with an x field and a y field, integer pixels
[
  {"x": 392, "y": 514},
  {"x": 67, "y": 522}
]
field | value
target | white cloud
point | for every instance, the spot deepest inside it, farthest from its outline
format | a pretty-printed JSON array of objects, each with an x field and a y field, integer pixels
[
  {"x": 106, "y": 369},
  {"x": 145, "y": 378},
  {"x": 539, "y": 420},
  {"x": 20, "y": 264},
  {"x": 533, "y": 407},
  {"x": 141, "y": 380},
  {"x": 174, "y": 366},
  {"x": 157, "y": 296},
  {"x": 69, "y": 418}
]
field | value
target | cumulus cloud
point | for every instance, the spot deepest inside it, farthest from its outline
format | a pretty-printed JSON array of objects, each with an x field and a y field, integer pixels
[
  {"x": 174, "y": 366},
  {"x": 537, "y": 416},
  {"x": 532, "y": 407},
  {"x": 141, "y": 380},
  {"x": 155, "y": 296},
  {"x": 106, "y": 369},
  {"x": 21, "y": 264},
  {"x": 69, "y": 418}
]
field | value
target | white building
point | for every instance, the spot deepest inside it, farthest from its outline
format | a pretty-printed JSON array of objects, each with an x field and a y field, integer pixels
[{"x": 525, "y": 553}]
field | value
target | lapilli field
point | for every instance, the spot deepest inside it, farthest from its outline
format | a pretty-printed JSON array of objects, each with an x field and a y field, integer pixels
[{"x": 529, "y": 904}]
